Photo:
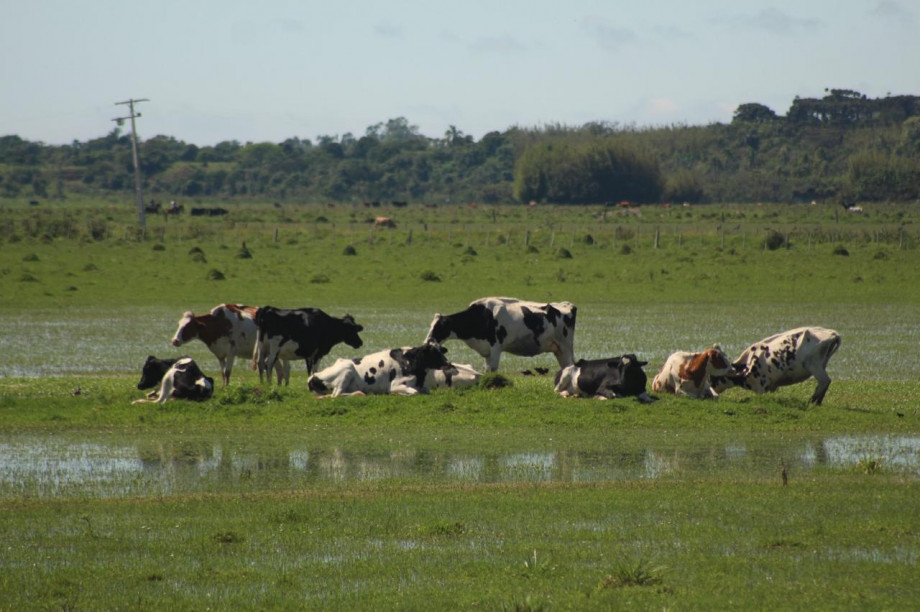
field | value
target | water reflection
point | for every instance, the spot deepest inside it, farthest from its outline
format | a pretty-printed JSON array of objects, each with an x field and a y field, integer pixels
[{"x": 48, "y": 466}]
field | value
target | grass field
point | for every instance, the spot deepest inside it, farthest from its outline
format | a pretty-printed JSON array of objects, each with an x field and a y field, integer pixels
[{"x": 507, "y": 498}]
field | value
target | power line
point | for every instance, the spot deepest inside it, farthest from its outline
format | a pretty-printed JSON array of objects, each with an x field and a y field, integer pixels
[{"x": 137, "y": 170}]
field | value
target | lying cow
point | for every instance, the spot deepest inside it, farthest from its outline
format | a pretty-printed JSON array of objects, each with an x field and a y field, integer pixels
[
  {"x": 153, "y": 371},
  {"x": 183, "y": 380},
  {"x": 784, "y": 359},
  {"x": 228, "y": 330},
  {"x": 452, "y": 376},
  {"x": 305, "y": 333},
  {"x": 689, "y": 374},
  {"x": 492, "y": 325},
  {"x": 604, "y": 379},
  {"x": 399, "y": 371}
]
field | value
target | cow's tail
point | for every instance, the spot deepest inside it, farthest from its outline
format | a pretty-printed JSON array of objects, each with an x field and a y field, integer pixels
[{"x": 256, "y": 363}]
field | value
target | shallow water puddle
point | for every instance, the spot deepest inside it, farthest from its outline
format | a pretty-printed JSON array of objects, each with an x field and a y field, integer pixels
[{"x": 54, "y": 465}]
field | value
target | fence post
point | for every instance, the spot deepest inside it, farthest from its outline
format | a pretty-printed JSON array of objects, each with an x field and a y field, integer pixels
[
  {"x": 275, "y": 237},
  {"x": 657, "y": 236}
]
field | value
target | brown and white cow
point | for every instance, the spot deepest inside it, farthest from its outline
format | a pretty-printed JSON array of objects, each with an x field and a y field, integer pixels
[
  {"x": 787, "y": 358},
  {"x": 686, "y": 373},
  {"x": 228, "y": 330}
]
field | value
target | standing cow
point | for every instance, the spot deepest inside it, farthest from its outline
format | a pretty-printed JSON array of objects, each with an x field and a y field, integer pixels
[
  {"x": 495, "y": 324},
  {"x": 784, "y": 359},
  {"x": 690, "y": 374},
  {"x": 304, "y": 333},
  {"x": 609, "y": 378},
  {"x": 399, "y": 371},
  {"x": 228, "y": 330}
]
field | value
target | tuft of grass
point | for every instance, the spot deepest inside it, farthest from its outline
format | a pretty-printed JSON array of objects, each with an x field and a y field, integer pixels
[
  {"x": 494, "y": 380},
  {"x": 349, "y": 250},
  {"x": 430, "y": 277},
  {"x": 215, "y": 275},
  {"x": 639, "y": 573},
  {"x": 841, "y": 250},
  {"x": 564, "y": 253},
  {"x": 319, "y": 279}
]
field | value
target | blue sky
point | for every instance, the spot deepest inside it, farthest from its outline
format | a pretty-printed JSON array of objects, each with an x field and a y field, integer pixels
[{"x": 219, "y": 70}]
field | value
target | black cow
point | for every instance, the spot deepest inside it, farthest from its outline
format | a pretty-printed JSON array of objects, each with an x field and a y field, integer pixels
[
  {"x": 209, "y": 212},
  {"x": 304, "y": 333},
  {"x": 184, "y": 380},
  {"x": 604, "y": 379},
  {"x": 495, "y": 324},
  {"x": 153, "y": 371}
]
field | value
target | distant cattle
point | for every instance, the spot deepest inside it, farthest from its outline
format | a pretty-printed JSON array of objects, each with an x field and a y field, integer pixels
[
  {"x": 492, "y": 325},
  {"x": 385, "y": 222},
  {"x": 228, "y": 330},
  {"x": 452, "y": 376},
  {"x": 305, "y": 333},
  {"x": 183, "y": 380},
  {"x": 153, "y": 208},
  {"x": 784, "y": 359},
  {"x": 686, "y": 373},
  {"x": 209, "y": 212},
  {"x": 399, "y": 203},
  {"x": 153, "y": 371},
  {"x": 611, "y": 378},
  {"x": 399, "y": 371}
]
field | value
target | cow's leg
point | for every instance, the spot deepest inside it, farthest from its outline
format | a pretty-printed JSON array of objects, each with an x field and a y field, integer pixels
[
  {"x": 225, "y": 371},
  {"x": 494, "y": 356},
  {"x": 824, "y": 381}
]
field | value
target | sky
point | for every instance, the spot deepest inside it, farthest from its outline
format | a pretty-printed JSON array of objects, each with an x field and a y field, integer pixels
[{"x": 218, "y": 70}]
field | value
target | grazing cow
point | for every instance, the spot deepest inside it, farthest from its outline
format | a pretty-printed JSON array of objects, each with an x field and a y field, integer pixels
[
  {"x": 494, "y": 324},
  {"x": 305, "y": 333},
  {"x": 385, "y": 222},
  {"x": 183, "y": 380},
  {"x": 399, "y": 371},
  {"x": 153, "y": 371},
  {"x": 689, "y": 374},
  {"x": 604, "y": 379},
  {"x": 215, "y": 211},
  {"x": 784, "y": 359},
  {"x": 453, "y": 375},
  {"x": 228, "y": 330}
]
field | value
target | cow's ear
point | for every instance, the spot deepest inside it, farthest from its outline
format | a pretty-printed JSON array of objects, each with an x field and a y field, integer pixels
[
  {"x": 642, "y": 364},
  {"x": 443, "y": 349},
  {"x": 359, "y": 328}
]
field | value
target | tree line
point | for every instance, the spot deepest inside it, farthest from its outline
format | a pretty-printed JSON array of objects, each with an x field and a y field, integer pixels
[{"x": 843, "y": 146}]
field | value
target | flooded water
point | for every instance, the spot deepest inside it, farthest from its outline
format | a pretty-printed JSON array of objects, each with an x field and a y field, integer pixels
[{"x": 68, "y": 466}]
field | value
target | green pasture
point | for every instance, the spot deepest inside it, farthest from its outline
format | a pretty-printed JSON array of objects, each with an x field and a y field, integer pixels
[{"x": 503, "y": 496}]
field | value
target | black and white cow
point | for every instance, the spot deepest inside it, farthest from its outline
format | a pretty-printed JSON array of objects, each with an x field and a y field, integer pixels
[
  {"x": 611, "y": 378},
  {"x": 183, "y": 380},
  {"x": 153, "y": 371},
  {"x": 495, "y": 324},
  {"x": 399, "y": 371},
  {"x": 784, "y": 359},
  {"x": 452, "y": 376},
  {"x": 304, "y": 333}
]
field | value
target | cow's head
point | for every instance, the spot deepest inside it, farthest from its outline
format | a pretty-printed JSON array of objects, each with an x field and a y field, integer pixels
[
  {"x": 632, "y": 374},
  {"x": 718, "y": 362},
  {"x": 187, "y": 330},
  {"x": 351, "y": 329},
  {"x": 428, "y": 356},
  {"x": 153, "y": 371},
  {"x": 440, "y": 329},
  {"x": 735, "y": 377}
]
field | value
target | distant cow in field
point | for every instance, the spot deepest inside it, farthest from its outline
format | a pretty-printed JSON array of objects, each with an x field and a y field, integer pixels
[
  {"x": 209, "y": 212},
  {"x": 611, "y": 378},
  {"x": 183, "y": 380},
  {"x": 385, "y": 222},
  {"x": 399, "y": 371},
  {"x": 690, "y": 374},
  {"x": 228, "y": 330},
  {"x": 153, "y": 208},
  {"x": 784, "y": 359},
  {"x": 492, "y": 325},
  {"x": 305, "y": 333},
  {"x": 153, "y": 371}
]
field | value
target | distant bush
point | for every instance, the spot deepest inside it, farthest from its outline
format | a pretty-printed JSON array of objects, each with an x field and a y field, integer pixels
[
  {"x": 319, "y": 279},
  {"x": 30, "y": 257},
  {"x": 625, "y": 249},
  {"x": 774, "y": 241},
  {"x": 159, "y": 247},
  {"x": 349, "y": 250},
  {"x": 431, "y": 277},
  {"x": 564, "y": 253},
  {"x": 841, "y": 250}
]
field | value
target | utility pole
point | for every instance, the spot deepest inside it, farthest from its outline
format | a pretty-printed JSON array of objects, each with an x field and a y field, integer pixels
[{"x": 137, "y": 169}]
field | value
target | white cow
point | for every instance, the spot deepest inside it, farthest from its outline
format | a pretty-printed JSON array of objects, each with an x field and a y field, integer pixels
[
  {"x": 689, "y": 374},
  {"x": 399, "y": 371},
  {"x": 784, "y": 359},
  {"x": 495, "y": 324}
]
